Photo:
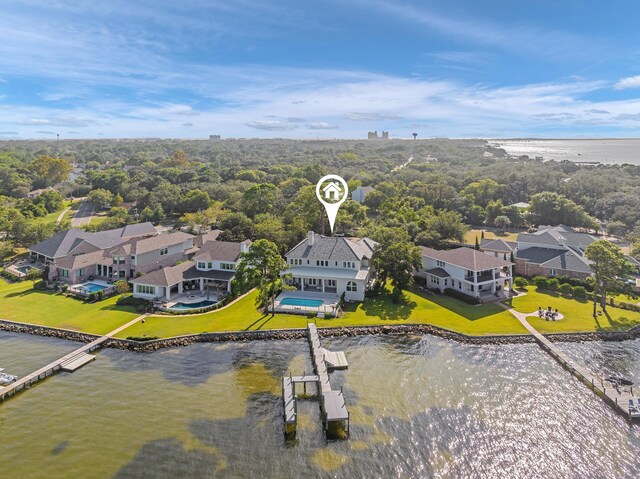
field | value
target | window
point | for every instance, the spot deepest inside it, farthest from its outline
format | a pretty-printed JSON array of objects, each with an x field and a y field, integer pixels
[
  {"x": 440, "y": 263},
  {"x": 348, "y": 264},
  {"x": 227, "y": 266},
  {"x": 201, "y": 265},
  {"x": 64, "y": 273},
  {"x": 81, "y": 272},
  {"x": 144, "y": 289},
  {"x": 445, "y": 281},
  {"x": 435, "y": 279},
  {"x": 352, "y": 286},
  {"x": 322, "y": 263},
  {"x": 331, "y": 283},
  {"x": 554, "y": 272},
  {"x": 210, "y": 265},
  {"x": 164, "y": 251},
  {"x": 118, "y": 260}
]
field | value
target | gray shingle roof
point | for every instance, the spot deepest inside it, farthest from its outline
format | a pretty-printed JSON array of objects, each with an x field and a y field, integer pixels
[
  {"x": 61, "y": 244},
  {"x": 220, "y": 251},
  {"x": 466, "y": 258},
  {"x": 538, "y": 255},
  {"x": 333, "y": 248},
  {"x": 557, "y": 236},
  {"x": 208, "y": 236},
  {"x": 144, "y": 245},
  {"x": 568, "y": 261},
  {"x": 498, "y": 245},
  {"x": 438, "y": 272}
]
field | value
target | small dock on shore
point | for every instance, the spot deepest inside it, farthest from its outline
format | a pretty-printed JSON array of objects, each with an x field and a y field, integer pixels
[
  {"x": 333, "y": 407},
  {"x": 69, "y": 362},
  {"x": 617, "y": 397}
]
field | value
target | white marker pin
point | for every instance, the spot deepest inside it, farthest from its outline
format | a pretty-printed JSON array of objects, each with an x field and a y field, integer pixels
[{"x": 332, "y": 191}]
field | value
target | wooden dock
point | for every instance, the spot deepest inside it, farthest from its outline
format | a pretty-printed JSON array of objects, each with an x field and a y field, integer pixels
[
  {"x": 333, "y": 407},
  {"x": 68, "y": 362},
  {"x": 618, "y": 398}
]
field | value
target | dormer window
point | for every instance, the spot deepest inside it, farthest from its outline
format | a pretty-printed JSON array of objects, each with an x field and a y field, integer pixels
[
  {"x": 164, "y": 251},
  {"x": 227, "y": 266}
]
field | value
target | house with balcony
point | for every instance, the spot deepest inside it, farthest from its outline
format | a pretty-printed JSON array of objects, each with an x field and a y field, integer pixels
[
  {"x": 76, "y": 256},
  {"x": 209, "y": 274},
  {"x": 332, "y": 265},
  {"x": 471, "y": 272}
]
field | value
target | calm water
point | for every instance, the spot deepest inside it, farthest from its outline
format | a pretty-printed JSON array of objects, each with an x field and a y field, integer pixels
[
  {"x": 420, "y": 407},
  {"x": 603, "y": 151}
]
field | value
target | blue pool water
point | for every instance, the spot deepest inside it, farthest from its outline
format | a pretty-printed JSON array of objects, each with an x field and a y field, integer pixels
[
  {"x": 92, "y": 287},
  {"x": 200, "y": 304},
  {"x": 312, "y": 303},
  {"x": 24, "y": 269}
]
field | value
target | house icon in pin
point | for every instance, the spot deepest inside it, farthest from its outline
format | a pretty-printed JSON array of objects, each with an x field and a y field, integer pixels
[{"x": 332, "y": 191}]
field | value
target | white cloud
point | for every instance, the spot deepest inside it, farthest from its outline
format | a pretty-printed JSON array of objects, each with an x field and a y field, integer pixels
[
  {"x": 271, "y": 125},
  {"x": 322, "y": 125},
  {"x": 628, "y": 82}
]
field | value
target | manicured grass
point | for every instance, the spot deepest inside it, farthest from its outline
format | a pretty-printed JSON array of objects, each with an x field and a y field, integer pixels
[
  {"x": 509, "y": 235},
  {"x": 52, "y": 217},
  {"x": 416, "y": 309},
  {"x": 241, "y": 316},
  {"x": 19, "y": 302},
  {"x": 578, "y": 315},
  {"x": 442, "y": 311}
]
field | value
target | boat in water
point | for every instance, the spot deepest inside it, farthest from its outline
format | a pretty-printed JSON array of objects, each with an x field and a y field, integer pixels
[{"x": 6, "y": 378}]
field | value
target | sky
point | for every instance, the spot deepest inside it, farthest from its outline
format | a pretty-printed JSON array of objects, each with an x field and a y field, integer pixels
[{"x": 319, "y": 68}]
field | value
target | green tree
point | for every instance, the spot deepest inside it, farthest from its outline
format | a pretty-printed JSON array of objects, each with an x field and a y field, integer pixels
[
  {"x": 101, "y": 198},
  {"x": 122, "y": 287},
  {"x": 553, "y": 209},
  {"x": 502, "y": 222},
  {"x": 396, "y": 263},
  {"x": 263, "y": 268},
  {"x": 610, "y": 268},
  {"x": 49, "y": 171},
  {"x": 261, "y": 198},
  {"x": 33, "y": 275},
  {"x": 483, "y": 191}
]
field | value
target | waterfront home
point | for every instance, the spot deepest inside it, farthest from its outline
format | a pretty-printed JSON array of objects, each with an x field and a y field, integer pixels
[
  {"x": 360, "y": 193},
  {"x": 75, "y": 256},
  {"x": 209, "y": 273},
  {"x": 553, "y": 251},
  {"x": 467, "y": 271},
  {"x": 332, "y": 265}
]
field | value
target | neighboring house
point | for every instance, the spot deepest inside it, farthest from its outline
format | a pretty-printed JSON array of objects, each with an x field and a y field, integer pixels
[
  {"x": 553, "y": 251},
  {"x": 360, "y": 193},
  {"x": 211, "y": 270},
  {"x": 330, "y": 264},
  {"x": 466, "y": 270},
  {"x": 498, "y": 248},
  {"x": 521, "y": 205},
  {"x": 75, "y": 256},
  {"x": 38, "y": 192}
]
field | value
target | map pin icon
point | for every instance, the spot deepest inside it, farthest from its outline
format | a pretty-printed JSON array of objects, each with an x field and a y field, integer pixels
[{"x": 332, "y": 191}]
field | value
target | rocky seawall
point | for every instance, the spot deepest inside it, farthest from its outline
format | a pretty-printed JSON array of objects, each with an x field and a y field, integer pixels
[{"x": 286, "y": 334}]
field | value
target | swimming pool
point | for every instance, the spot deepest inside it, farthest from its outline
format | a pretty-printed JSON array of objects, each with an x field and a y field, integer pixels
[
  {"x": 91, "y": 287},
  {"x": 24, "y": 269},
  {"x": 311, "y": 303},
  {"x": 198, "y": 305}
]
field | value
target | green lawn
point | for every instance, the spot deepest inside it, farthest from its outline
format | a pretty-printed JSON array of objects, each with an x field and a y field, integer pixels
[
  {"x": 19, "y": 302},
  {"x": 578, "y": 314},
  {"x": 509, "y": 235},
  {"x": 52, "y": 217},
  {"x": 242, "y": 316}
]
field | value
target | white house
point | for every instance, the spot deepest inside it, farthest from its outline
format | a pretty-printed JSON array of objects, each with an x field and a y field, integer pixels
[
  {"x": 212, "y": 270},
  {"x": 360, "y": 193},
  {"x": 468, "y": 271},
  {"x": 333, "y": 265}
]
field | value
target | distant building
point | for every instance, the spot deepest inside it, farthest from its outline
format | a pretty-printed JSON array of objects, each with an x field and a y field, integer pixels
[
  {"x": 385, "y": 135},
  {"x": 36, "y": 193},
  {"x": 214, "y": 137},
  {"x": 360, "y": 193},
  {"x": 372, "y": 135}
]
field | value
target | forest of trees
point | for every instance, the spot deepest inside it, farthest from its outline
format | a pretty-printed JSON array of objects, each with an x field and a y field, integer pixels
[{"x": 265, "y": 188}]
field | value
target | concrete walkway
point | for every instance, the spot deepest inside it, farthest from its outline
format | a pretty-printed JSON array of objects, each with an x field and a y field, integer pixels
[
  {"x": 617, "y": 398},
  {"x": 61, "y": 215},
  {"x": 49, "y": 369}
]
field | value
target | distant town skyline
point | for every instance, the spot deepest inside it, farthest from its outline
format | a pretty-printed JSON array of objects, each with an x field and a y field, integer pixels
[{"x": 325, "y": 69}]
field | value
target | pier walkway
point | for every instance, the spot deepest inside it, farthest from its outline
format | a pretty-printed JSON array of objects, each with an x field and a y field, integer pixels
[
  {"x": 68, "y": 362},
  {"x": 333, "y": 407},
  {"x": 617, "y": 398}
]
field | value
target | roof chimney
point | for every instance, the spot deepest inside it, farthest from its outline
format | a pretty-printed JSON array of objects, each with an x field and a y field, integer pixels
[{"x": 310, "y": 238}]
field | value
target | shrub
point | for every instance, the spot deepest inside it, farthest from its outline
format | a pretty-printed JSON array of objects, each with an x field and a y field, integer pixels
[
  {"x": 131, "y": 301},
  {"x": 100, "y": 295},
  {"x": 541, "y": 282},
  {"x": 553, "y": 284},
  {"x": 521, "y": 282},
  {"x": 579, "y": 292},
  {"x": 629, "y": 306},
  {"x": 575, "y": 282},
  {"x": 91, "y": 297},
  {"x": 566, "y": 289},
  {"x": 454, "y": 293},
  {"x": 64, "y": 288}
]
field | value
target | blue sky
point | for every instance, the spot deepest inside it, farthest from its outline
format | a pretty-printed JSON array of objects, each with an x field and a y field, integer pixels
[{"x": 328, "y": 68}]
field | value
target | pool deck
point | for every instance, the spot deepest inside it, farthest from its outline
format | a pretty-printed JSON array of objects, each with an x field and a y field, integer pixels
[{"x": 329, "y": 300}]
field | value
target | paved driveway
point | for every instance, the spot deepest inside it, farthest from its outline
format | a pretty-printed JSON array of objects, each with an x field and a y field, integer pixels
[{"x": 83, "y": 215}]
